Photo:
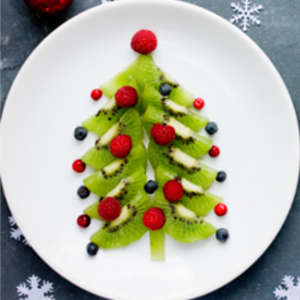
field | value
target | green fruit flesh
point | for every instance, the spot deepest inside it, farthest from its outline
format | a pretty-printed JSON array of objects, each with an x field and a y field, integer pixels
[
  {"x": 157, "y": 244},
  {"x": 194, "y": 198},
  {"x": 130, "y": 124},
  {"x": 108, "y": 177},
  {"x": 182, "y": 164},
  {"x": 183, "y": 224},
  {"x": 150, "y": 77},
  {"x": 127, "y": 228},
  {"x": 188, "y": 141},
  {"x": 97, "y": 158},
  {"x": 104, "y": 119},
  {"x": 124, "y": 191},
  {"x": 125, "y": 78}
]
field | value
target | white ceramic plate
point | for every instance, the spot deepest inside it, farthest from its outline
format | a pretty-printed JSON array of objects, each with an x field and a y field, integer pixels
[{"x": 244, "y": 93}]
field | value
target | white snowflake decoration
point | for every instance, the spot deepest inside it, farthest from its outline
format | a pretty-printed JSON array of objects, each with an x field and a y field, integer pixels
[
  {"x": 15, "y": 232},
  {"x": 289, "y": 289},
  {"x": 34, "y": 289},
  {"x": 246, "y": 13}
]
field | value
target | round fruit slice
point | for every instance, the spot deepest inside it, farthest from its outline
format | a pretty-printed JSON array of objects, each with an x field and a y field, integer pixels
[
  {"x": 182, "y": 224},
  {"x": 127, "y": 228}
]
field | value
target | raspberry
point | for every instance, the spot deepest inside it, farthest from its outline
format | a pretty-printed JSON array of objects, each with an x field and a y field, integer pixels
[
  {"x": 83, "y": 221},
  {"x": 126, "y": 96},
  {"x": 173, "y": 191},
  {"x": 220, "y": 209},
  {"x": 154, "y": 218},
  {"x": 109, "y": 209},
  {"x": 199, "y": 103},
  {"x": 162, "y": 134},
  {"x": 78, "y": 166},
  {"x": 214, "y": 151},
  {"x": 144, "y": 41},
  {"x": 96, "y": 94},
  {"x": 120, "y": 146}
]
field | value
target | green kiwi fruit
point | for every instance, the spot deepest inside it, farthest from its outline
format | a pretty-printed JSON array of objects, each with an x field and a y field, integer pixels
[
  {"x": 182, "y": 224},
  {"x": 194, "y": 198},
  {"x": 150, "y": 78},
  {"x": 183, "y": 164},
  {"x": 186, "y": 139},
  {"x": 127, "y": 228},
  {"x": 103, "y": 181},
  {"x": 124, "y": 191},
  {"x": 130, "y": 124}
]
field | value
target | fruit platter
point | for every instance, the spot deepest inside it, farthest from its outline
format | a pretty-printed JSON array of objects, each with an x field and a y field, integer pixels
[{"x": 149, "y": 117}]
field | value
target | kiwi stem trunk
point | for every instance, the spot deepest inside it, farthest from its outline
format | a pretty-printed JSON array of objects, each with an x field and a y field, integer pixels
[{"x": 157, "y": 244}]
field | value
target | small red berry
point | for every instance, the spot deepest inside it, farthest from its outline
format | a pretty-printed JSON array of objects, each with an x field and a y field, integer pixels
[
  {"x": 173, "y": 190},
  {"x": 109, "y": 208},
  {"x": 120, "y": 146},
  {"x": 154, "y": 218},
  {"x": 199, "y": 103},
  {"x": 96, "y": 94},
  {"x": 78, "y": 166},
  {"x": 144, "y": 41},
  {"x": 126, "y": 96},
  {"x": 83, "y": 221},
  {"x": 214, "y": 151},
  {"x": 162, "y": 134},
  {"x": 221, "y": 209}
]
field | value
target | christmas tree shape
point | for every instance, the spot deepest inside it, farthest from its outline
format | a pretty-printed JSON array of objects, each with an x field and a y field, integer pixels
[{"x": 161, "y": 102}]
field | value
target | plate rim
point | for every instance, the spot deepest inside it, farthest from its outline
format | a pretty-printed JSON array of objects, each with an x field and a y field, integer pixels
[{"x": 189, "y": 7}]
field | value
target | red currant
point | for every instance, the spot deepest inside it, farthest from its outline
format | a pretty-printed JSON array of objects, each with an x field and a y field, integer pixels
[
  {"x": 78, "y": 166},
  {"x": 83, "y": 221},
  {"x": 96, "y": 94},
  {"x": 199, "y": 103},
  {"x": 221, "y": 209},
  {"x": 214, "y": 151}
]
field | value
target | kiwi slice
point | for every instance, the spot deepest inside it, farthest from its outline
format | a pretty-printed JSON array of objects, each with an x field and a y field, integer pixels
[
  {"x": 128, "y": 77},
  {"x": 182, "y": 164},
  {"x": 104, "y": 119},
  {"x": 193, "y": 120},
  {"x": 124, "y": 191},
  {"x": 182, "y": 224},
  {"x": 157, "y": 244},
  {"x": 127, "y": 228},
  {"x": 103, "y": 181},
  {"x": 150, "y": 78},
  {"x": 130, "y": 124},
  {"x": 186, "y": 139},
  {"x": 194, "y": 198}
]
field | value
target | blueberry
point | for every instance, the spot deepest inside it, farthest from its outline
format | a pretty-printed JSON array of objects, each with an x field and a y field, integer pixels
[
  {"x": 165, "y": 89},
  {"x": 151, "y": 186},
  {"x": 92, "y": 249},
  {"x": 80, "y": 133},
  {"x": 221, "y": 176},
  {"x": 211, "y": 128},
  {"x": 83, "y": 192},
  {"x": 222, "y": 235}
]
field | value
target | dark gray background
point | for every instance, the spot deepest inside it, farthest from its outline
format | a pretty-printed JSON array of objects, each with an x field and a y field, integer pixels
[{"x": 278, "y": 36}]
